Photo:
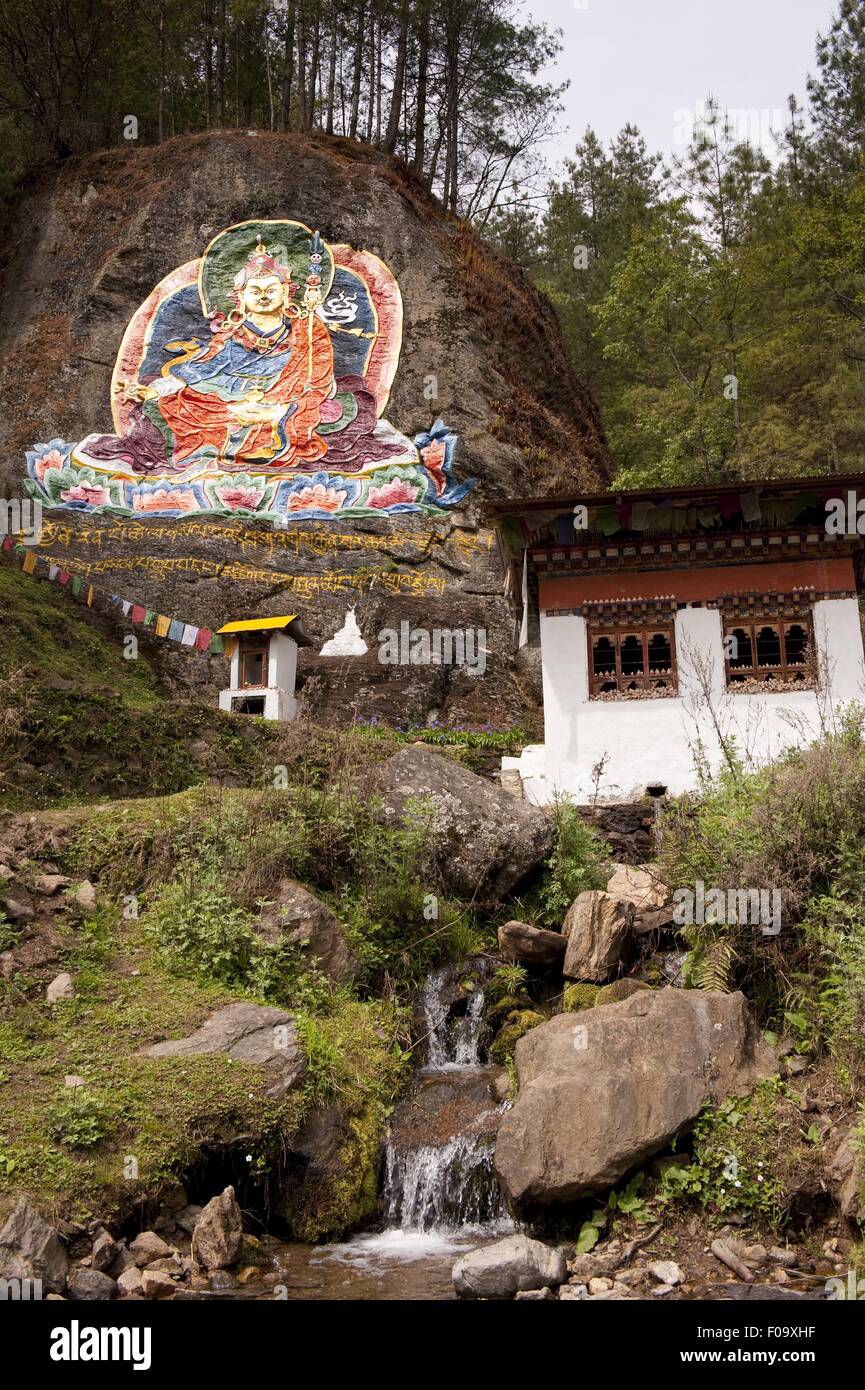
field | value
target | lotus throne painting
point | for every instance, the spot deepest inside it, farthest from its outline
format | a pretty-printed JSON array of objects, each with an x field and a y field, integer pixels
[{"x": 254, "y": 380}]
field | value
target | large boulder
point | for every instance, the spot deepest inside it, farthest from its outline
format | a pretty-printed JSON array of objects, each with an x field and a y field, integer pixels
[
  {"x": 601, "y": 1092},
  {"x": 508, "y": 1267},
  {"x": 31, "y": 1249},
  {"x": 598, "y": 930},
  {"x": 218, "y": 1233},
  {"x": 845, "y": 1172},
  {"x": 298, "y": 916},
  {"x": 252, "y": 1033},
  {"x": 90, "y": 1285},
  {"x": 87, "y": 241},
  {"x": 638, "y": 884},
  {"x": 519, "y": 941},
  {"x": 486, "y": 843}
]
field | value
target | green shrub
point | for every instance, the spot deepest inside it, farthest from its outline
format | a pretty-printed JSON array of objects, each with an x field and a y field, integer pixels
[
  {"x": 796, "y": 827},
  {"x": 507, "y": 979},
  {"x": 579, "y": 862},
  {"x": 80, "y": 1122},
  {"x": 749, "y": 1157}
]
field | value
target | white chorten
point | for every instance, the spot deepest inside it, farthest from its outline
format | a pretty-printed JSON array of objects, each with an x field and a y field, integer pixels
[{"x": 348, "y": 641}]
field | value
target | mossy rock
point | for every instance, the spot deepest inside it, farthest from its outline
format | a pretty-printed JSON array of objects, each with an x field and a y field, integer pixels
[
  {"x": 504, "y": 1006},
  {"x": 619, "y": 990},
  {"x": 655, "y": 976},
  {"x": 579, "y": 997},
  {"x": 519, "y": 1023}
]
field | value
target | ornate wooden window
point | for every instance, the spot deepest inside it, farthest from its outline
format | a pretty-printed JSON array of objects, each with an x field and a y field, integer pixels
[
  {"x": 632, "y": 662},
  {"x": 772, "y": 651},
  {"x": 253, "y": 664}
]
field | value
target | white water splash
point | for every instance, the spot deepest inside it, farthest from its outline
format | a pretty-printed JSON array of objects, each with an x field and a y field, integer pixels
[{"x": 452, "y": 1042}]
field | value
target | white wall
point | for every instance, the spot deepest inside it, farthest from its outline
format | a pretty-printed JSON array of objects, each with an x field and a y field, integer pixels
[
  {"x": 279, "y": 700},
  {"x": 658, "y": 740}
]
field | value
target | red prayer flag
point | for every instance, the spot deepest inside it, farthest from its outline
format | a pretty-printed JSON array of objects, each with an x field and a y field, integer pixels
[
  {"x": 204, "y": 638},
  {"x": 138, "y": 613}
]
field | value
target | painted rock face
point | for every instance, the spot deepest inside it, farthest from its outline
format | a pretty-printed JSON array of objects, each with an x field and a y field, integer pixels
[{"x": 255, "y": 380}]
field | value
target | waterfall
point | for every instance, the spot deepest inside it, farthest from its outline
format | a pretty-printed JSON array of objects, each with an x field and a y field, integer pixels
[
  {"x": 452, "y": 1040},
  {"x": 443, "y": 1187},
  {"x": 438, "y": 1170}
]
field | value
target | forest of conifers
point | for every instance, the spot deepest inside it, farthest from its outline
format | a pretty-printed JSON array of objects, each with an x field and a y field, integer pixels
[{"x": 714, "y": 300}]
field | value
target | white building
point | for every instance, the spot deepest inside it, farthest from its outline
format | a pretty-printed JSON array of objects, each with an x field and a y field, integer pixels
[
  {"x": 675, "y": 632},
  {"x": 263, "y": 655}
]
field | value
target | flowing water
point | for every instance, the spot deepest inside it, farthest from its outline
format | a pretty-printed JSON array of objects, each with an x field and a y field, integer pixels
[{"x": 440, "y": 1193}]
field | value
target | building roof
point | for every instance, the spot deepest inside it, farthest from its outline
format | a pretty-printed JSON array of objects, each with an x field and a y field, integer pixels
[
  {"x": 289, "y": 623},
  {"x": 259, "y": 624},
  {"x": 830, "y": 484}
]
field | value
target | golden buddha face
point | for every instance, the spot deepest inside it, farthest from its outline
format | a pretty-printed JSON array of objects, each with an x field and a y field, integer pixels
[{"x": 262, "y": 296}]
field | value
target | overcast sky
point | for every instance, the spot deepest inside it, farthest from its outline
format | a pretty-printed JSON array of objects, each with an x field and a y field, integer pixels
[{"x": 651, "y": 61}]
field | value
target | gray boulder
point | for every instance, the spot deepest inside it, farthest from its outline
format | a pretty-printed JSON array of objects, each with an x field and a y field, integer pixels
[
  {"x": 218, "y": 1233},
  {"x": 519, "y": 941},
  {"x": 603, "y": 1090},
  {"x": 147, "y": 1247},
  {"x": 252, "y": 1033},
  {"x": 31, "y": 1249},
  {"x": 845, "y": 1173},
  {"x": 486, "y": 843},
  {"x": 508, "y": 1267},
  {"x": 598, "y": 929},
  {"x": 90, "y": 1285},
  {"x": 298, "y": 916}
]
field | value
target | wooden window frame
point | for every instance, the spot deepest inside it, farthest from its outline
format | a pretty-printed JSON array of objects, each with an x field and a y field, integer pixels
[
  {"x": 247, "y": 650},
  {"x": 786, "y": 672},
  {"x": 628, "y": 685}
]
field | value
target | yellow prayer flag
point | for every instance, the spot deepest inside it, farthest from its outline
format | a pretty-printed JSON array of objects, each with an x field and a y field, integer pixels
[
  {"x": 29, "y": 564},
  {"x": 162, "y": 625}
]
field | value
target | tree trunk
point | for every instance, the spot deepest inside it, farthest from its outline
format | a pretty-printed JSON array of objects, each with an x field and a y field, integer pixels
[
  {"x": 422, "y": 78},
  {"x": 219, "y": 93},
  {"x": 331, "y": 78},
  {"x": 208, "y": 62},
  {"x": 314, "y": 62},
  {"x": 370, "y": 115},
  {"x": 398, "y": 82},
  {"x": 301, "y": 68},
  {"x": 358, "y": 69},
  {"x": 288, "y": 68},
  {"x": 160, "y": 122}
]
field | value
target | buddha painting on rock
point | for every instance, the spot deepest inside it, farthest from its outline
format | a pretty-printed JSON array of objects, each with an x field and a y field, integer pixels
[{"x": 254, "y": 380}]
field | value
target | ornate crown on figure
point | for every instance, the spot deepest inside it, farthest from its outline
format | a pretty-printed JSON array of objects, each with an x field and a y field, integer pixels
[{"x": 261, "y": 262}]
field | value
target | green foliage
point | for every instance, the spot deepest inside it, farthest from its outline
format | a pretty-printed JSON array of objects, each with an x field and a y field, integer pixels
[
  {"x": 507, "y": 979},
  {"x": 796, "y": 827},
  {"x": 80, "y": 1122},
  {"x": 200, "y": 931},
  {"x": 629, "y": 1202},
  {"x": 579, "y": 862},
  {"x": 504, "y": 741},
  {"x": 745, "y": 1153},
  {"x": 9, "y": 933}
]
